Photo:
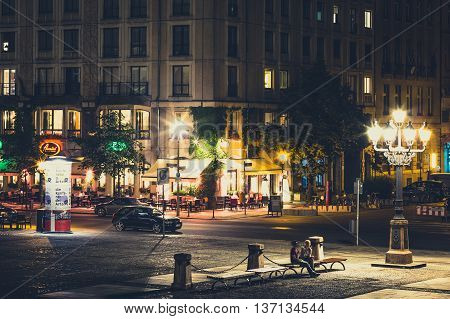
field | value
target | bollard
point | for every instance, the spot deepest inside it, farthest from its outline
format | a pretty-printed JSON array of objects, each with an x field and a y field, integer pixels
[
  {"x": 317, "y": 247},
  {"x": 182, "y": 276},
  {"x": 255, "y": 256}
]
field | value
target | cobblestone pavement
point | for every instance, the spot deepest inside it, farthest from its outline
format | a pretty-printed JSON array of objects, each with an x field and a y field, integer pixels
[
  {"x": 35, "y": 264},
  {"x": 110, "y": 257}
]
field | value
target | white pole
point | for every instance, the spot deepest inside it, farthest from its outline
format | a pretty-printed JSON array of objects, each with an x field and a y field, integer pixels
[{"x": 357, "y": 211}]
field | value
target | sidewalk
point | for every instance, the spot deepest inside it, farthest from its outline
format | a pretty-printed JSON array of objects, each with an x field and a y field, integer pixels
[{"x": 207, "y": 214}]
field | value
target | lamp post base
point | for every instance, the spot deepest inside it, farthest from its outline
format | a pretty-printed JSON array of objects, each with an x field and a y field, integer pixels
[
  {"x": 399, "y": 252},
  {"x": 399, "y": 257}
]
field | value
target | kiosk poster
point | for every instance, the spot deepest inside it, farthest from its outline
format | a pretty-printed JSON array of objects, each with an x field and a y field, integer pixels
[{"x": 58, "y": 187}]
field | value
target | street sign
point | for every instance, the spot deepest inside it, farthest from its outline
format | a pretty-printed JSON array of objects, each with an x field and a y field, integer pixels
[
  {"x": 355, "y": 187},
  {"x": 162, "y": 176}
]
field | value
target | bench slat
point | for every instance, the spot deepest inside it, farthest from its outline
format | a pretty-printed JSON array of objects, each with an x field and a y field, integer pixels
[
  {"x": 231, "y": 275},
  {"x": 266, "y": 270}
]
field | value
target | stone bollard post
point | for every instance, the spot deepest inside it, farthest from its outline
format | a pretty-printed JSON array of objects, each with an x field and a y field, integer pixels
[
  {"x": 182, "y": 276},
  {"x": 255, "y": 256}
]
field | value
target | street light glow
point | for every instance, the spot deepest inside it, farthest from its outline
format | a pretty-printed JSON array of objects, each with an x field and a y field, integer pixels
[
  {"x": 375, "y": 132},
  {"x": 283, "y": 156},
  {"x": 409, "y": 133},
  {"x": 399, "y": 116},
  {"x": 424, "y": 134},
  {"x": 178, "y": 129},
  {"x": 389, "y": 132}
]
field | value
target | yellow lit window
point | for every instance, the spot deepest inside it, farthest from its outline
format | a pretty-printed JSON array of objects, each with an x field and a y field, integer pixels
[
  {"x": 433, "y": 161},
  {"x": 268, "y": 79},
  {"x": 368, "y": 19},
  {"x": 284, "y": 80},
  {"x": 367, "y": 85}
]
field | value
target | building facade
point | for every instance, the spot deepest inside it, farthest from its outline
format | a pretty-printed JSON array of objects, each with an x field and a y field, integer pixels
[
  {"x": 152, "y": 61},
  {"x": 411, "y": 73}
]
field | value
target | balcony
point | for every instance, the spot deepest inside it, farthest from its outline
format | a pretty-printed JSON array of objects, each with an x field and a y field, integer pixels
[
  {"x": 124, "y": 89},
  {"x": 368, "y": 99},
  {"x": 399, "y": 69},
  {"x": 57, "y": 89}
]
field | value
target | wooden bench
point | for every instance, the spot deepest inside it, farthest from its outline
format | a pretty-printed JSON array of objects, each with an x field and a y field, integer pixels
[
  {"x": 231, "y": 276},
  {"x": 317, "y": 263},
  {"x": 260, "y": 272}
]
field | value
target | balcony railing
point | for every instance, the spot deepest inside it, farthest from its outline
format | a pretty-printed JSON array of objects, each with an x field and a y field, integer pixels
[
  {"x": 123, "y": 88},
  {"x": 57, "y": 89}
]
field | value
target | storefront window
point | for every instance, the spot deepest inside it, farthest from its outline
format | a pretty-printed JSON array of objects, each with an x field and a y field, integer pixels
[
  {"x": 52, "y": 122},
  {"x": 232, "y": 181},
  {"x": 447, "y": 157},
  {"x": 143, "y": 124},
  {"x": 74, "y": 127},
  {"x": 123, "y": 115}
]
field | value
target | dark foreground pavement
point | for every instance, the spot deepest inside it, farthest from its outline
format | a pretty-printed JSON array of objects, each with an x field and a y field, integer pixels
[{"x": 33, "y": 265}]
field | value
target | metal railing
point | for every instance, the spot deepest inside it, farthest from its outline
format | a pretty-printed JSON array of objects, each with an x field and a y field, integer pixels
[
  {"x": 124, "y": 88},
  {"x": 57, "y": 89}
]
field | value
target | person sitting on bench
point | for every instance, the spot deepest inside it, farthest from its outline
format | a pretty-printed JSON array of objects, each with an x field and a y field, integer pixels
[
  {"x": 296, "y": 259},
  {"x": 306, "y": 253}
]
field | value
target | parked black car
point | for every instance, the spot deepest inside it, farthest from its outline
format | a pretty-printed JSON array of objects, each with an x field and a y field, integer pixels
[
  {"x": 112, "y": 206},
  {"x": 144, "y": 217},
  {"x": 424, "y": 192}
]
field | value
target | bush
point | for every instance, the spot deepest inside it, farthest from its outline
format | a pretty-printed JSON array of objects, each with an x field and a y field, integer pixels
[{"x": 382, "y": 185}]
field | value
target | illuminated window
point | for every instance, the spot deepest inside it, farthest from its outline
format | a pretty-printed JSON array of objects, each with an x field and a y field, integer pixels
[
  {"x": 8, "y": 82},
  {"x": 269, "y": 117},
  {"x": 433, "y": 160},
  {"x": 284, "y": 80},
  {"x": 74, "y": 125},
  {"x": 8, "y": 121},
  {"x": 123, "y": 115},
  {"x": 52, "y": 122},
  {"x": 335, "y": 14},
  {"x": 268, "y": 79},
  {"x": 367, "y": 85},
  {"x": 368, "y": 19},
  {"x": 143, "y": 124}
]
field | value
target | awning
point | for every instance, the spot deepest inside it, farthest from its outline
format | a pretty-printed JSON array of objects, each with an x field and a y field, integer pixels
[
  {"x": 254, "y": 166},
  {"x": 189, "y": 168}
]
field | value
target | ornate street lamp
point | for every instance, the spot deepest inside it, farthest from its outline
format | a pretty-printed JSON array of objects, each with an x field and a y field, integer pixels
[{"x": 396, "y": 141}]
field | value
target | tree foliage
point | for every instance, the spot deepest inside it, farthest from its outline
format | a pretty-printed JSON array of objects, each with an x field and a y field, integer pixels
[
  {"x": 111, "y": 148},
  {"x": 209, "y": 122},
  {"x": 338, "y": 124},
  {"x": 20, "y": 150}
]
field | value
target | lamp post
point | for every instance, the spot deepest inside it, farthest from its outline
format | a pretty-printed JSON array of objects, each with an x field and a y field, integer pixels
[
  {"x": 178, "y": 130},
  {"x": 396, "y": 142},
  {"x": 283, "y": 158}
]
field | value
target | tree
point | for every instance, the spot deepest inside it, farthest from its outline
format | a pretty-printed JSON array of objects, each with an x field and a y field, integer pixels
[
  {"x": 209, "y": 132},
  {"x": 337, "y": 123},
  {"x": 20, "y": 150},
  {"x": 111, "y": 149}
]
